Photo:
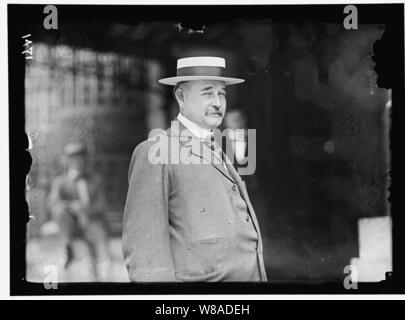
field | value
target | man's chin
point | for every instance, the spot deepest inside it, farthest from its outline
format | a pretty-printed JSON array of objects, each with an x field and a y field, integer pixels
[{"x": 213, "y": 123}]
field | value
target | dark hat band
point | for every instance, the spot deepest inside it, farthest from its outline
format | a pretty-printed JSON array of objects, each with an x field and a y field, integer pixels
[{"x": 201, "y": 71}]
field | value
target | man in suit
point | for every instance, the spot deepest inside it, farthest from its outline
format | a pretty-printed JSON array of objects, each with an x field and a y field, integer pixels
[{"x": 188, "y": 216}]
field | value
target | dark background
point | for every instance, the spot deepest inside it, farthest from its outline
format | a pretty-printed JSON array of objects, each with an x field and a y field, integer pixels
[{"x": 310, "y": 92}]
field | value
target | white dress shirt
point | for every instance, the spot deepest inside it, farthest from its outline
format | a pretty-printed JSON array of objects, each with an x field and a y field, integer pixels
[{"x": 198, "y": 131}]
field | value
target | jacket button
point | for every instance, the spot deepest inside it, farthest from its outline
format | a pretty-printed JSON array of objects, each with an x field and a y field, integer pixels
[
  {"x": 247, "y": 218},
  {"x": 234, "y": 187}
]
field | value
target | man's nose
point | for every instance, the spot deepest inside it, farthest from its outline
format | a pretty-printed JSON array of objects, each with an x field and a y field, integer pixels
[{"x": 216, "y": 102}]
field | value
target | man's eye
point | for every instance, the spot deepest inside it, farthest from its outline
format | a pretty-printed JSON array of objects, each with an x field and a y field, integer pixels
[{"x": 222, "y": 94}]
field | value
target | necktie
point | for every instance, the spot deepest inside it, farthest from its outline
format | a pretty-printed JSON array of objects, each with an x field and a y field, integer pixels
[{"x": 217, "y": 151}]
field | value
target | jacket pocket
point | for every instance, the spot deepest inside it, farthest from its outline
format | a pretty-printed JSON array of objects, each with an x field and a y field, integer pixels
[
  {"x": 212, "y": 240},
  {"x": 202, "y": 259},
  {"x": 212, "y": 252}
]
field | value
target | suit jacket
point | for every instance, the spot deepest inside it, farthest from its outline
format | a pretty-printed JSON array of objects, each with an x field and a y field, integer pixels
[{"x": 188, "y": 222}]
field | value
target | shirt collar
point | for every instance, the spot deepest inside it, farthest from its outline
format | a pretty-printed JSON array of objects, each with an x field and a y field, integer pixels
[{"x": 199, "y": 132}]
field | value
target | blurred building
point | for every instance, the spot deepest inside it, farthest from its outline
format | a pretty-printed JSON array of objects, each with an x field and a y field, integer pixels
[{"x": 77, "y": 94}]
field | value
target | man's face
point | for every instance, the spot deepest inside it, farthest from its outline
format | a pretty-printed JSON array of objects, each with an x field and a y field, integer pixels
[{"x": 204, "y": 102}]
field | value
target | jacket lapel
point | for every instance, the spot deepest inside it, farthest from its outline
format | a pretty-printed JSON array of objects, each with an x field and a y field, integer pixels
[{"x": 197, "y": 148}]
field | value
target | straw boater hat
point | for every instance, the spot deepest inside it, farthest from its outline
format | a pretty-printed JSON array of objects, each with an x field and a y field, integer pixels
[{"x": 200, "y": 68}]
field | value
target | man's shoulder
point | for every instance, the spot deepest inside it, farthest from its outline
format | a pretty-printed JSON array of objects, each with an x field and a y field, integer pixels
[
  {"x": 155, "y": 148},
  {"x": 155, "y": 136},
  {"x": 160, "y": 142},
  {"x": 151, "y": 153}
]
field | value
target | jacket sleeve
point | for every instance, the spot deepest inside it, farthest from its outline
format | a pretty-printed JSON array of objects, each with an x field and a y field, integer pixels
[{"x": 146, "y": 239}]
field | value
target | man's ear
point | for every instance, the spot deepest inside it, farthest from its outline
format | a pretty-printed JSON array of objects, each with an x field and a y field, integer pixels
[{"x": 180, "y": 96}]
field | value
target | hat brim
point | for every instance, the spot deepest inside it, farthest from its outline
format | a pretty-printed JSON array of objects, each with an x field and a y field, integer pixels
[{"x": 175, "y": 80}]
